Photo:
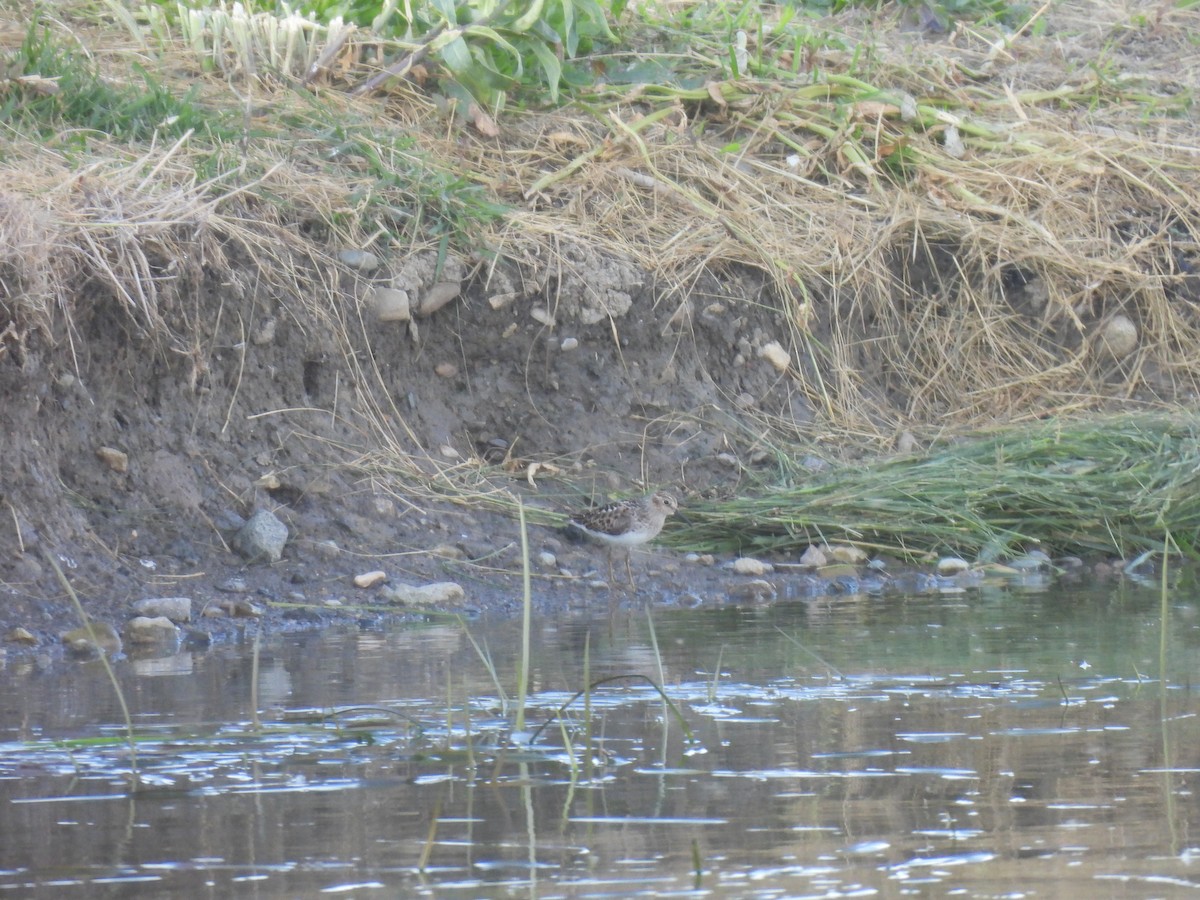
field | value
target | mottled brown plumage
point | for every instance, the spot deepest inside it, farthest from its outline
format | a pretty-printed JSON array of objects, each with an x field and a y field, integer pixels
[{"x": 627, "y": 523}]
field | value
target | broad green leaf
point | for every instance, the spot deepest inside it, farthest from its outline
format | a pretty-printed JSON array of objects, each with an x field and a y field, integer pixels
[
  {"x": 457, "y": 56},
  {"x": 550, "y": 65},
  {"x": 531, "y": 15}
]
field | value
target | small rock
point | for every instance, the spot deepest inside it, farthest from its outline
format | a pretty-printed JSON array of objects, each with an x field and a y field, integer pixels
[
  {"x": 547, "y": 560},
  {"x": 93, "y": 639},
  {"x": 746, "y": 565},
  {"x": 1119, "y": 337},
  {"x": 261, "y": 538},
  {"x": 370, "y": 579},
  {"x": 438, "y": 296},
  {"x": 326, "y": 549},
  {"x": 845, "y": 553},
  {"x": 448, "y": 551},
  {"x": 568, "y": 344},
  {"x": 144, "y": 630},
  {"x": 235, "y": 585},
  {"x": 363, "y": 260},
  {"x": 442, "y": 593},
  {"x": 499, "y": 301},
  {"x": 952, "y": 565},
  {"x": 814, "y": 556},
  {"x": 775, "y": 354},
  {"x": 21, "y": 635},
  {"x": 756, "y": 591},
  {"x": 538, "y": 314},
  {"x": 446, "y": 369},
  {"x": 114, "y": 459},
  {"x": 269, "y": 482},
  {"x": 177, "y": 609},
  {"x": 390, "y": 304},
  {"x": 242, "y": 609}
]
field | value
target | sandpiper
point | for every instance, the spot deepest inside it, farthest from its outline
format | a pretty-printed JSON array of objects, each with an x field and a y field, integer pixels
[{"x": 626, "y": 523}]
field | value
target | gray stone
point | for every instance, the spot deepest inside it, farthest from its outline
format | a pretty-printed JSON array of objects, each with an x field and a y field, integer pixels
[
  {"x": 756, "y": 591},
  {"x": 363, "y": 260},
  {"x": 177, "y": 609},
  {"x": 262, "y": 538},
  {"x": 92, "y": 639},
  {"x": 158, "y": 630},
  {"x": 442, "y": 593}
]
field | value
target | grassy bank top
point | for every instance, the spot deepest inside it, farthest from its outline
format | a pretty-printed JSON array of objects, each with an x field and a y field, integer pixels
[{"x": 989, "y": 196}]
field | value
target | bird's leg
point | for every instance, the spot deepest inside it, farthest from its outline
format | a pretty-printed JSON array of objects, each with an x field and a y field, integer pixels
[
  {"x": 628, "y": 570},
  {"x": 610, "y": 571}
]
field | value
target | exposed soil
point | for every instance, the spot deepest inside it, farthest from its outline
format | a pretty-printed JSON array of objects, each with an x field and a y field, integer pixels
[
  {"x": 612, "y": 413},
  {"x": 565, "y": 378}
]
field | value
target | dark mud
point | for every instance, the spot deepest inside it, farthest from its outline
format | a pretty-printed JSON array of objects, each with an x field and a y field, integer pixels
[{"x": 297, "y": 407}]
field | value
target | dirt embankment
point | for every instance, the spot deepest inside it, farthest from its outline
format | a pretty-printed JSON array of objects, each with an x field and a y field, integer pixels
[{"x": 175, "y": 354}]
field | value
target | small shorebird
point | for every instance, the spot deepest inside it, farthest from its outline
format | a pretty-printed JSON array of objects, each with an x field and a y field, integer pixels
[{"x": 626, "y": 523}]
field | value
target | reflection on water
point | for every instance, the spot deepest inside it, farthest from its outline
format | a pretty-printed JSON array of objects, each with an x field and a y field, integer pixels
[{"x": 986, "y": 744}]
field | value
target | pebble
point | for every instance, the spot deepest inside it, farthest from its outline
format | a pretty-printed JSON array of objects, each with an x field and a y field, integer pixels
[
  {"x": 445, "y": 370},
  {"x": 115, "y": 459},
  {"x": 235, "y": 585},
  {"x": 814, "y": 556},
  {"x": 363, "y": 260},
  {"x": 370, "y": 579},
  {"x": 262, "y": 538},
  {"x": 845, "y": 553},
  {"x": 746, "y": 565},
  {"x": 568, "y": 344},
  {"x": 440, "y": 593},
  {"x": 952, "y": 565},
  {"x": 1119, "y": 337},
  {"x": 21, "y": 635},
  {"x": 151, "y": 630},
  {"x": 175, "y": 609},
  {"x": 90, "y": 640},
  {"x": 773, "y": 353},
  {"x": 756, "y": 591},
  {"x": 438, "y": 296},
  {"x": 547, "y": 560},
  {"x": 390, "y": 304},
  {"x": 242, "y": 609}
]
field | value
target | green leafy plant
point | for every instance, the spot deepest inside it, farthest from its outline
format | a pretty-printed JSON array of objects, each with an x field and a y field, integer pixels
[{"x": 486, "y": 49}]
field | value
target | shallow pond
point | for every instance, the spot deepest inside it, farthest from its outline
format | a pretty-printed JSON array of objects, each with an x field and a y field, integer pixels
[{"x": 993, "y": 742}]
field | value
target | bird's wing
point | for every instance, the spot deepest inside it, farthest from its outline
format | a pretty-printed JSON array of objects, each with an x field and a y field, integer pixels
[{"x": 613, "y": 519}]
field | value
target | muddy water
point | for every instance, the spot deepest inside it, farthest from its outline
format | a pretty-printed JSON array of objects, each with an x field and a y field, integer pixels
[{"x": 997, "y": 742}]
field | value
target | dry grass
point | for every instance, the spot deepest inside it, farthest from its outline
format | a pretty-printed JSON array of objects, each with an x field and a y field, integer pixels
[{"x": 944, "y": 231}]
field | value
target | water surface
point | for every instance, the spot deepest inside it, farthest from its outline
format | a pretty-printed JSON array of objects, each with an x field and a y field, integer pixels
[{"x": 989, "y": 743}]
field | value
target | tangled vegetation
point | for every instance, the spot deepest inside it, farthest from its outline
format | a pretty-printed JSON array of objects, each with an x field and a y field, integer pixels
[{"x": 962, "y": 213}]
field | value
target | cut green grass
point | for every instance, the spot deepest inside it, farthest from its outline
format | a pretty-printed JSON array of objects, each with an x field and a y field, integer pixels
[{"x": 1112, "y": 485}]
